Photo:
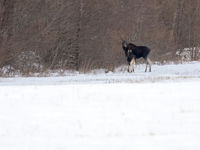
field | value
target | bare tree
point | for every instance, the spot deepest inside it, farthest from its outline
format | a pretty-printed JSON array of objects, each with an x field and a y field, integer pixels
[{"x": 85, "y": 34}]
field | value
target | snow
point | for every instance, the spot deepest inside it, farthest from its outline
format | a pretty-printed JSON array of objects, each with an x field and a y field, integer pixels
[
  {"x": 187, "y": 54},
  {"x": 168, "y": 72},
  {"x": 119, "y": 111}
]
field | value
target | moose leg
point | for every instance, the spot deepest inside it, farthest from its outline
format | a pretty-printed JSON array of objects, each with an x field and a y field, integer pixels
[
  {"x": 131, "y": 65},
  {"x": 148, "y": 62}
]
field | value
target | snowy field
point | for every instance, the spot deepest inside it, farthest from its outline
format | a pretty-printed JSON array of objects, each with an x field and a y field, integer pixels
[{"x": 97, "y": 111}]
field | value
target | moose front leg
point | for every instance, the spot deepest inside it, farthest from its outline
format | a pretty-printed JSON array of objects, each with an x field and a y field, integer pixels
[{"x": 131, "y": 65}]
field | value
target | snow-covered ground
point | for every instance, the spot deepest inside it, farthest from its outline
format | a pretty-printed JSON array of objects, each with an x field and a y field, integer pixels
[
  {"x": 169, "y": 73},
  {"x": 97, "y": 111}
]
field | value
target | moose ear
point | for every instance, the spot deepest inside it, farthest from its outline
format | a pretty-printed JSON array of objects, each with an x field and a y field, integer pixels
[{"x": 124, "y": 44}]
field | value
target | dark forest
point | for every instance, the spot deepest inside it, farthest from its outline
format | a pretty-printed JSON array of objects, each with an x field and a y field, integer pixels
[{"x": 37, "y": 35}]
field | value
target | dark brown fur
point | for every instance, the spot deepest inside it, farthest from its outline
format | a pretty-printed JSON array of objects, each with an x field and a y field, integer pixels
[{"x": 135, "y": 52}]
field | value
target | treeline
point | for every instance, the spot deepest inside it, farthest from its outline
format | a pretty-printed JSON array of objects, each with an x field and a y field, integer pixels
[{"x": 37, "y": 35}]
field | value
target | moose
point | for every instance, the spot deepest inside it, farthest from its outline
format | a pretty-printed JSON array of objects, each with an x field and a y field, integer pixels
[{"x": 133, "y": 52}]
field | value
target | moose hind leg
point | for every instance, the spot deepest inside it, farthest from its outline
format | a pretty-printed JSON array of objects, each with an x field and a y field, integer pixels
[
  {"x": 146, "y": 64},
  {"x": 149, "y": 62},
  {"x": 131, "y": 65}
]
